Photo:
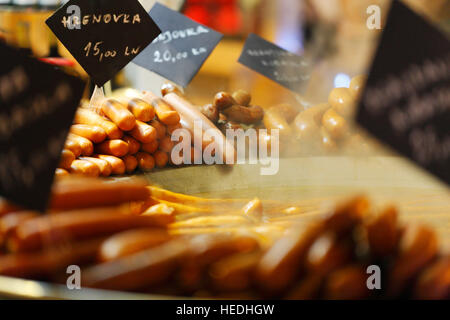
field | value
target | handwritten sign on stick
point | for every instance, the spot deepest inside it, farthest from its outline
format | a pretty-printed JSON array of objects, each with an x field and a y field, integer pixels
[
  {"x": 181, "y": 49},
  {"x": 406, "y": 101},
  {"x": 287, "y": 69},
  {"x": 103, "y": 35},
  {"x": 37, "y": 105}
]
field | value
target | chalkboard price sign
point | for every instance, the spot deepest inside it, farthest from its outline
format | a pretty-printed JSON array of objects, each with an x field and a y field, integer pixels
[
  {"x": 181, "y": 49},
  {"x": 406, "y": 101},
  {"x": 37, "y": 105},
  {"x": 103, "y": 35},
  {"x": 285, "y": 68}
]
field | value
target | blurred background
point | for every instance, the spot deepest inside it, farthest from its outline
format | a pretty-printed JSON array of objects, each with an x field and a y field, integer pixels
[{"x": 332, "y": 32}]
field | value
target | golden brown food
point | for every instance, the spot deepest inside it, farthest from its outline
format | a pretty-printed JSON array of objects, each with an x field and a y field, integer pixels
[
  {"x": 161, "y": 159},
  {"x": 131, "y": 163},
  {"x": 144, "y": 132},
  {"x": 145, "y": 161},
  {"x": 383, "y": 233},
  {"x": 150, "y": 147},
  {"x": 67, "y": 157},
  {"x": 103, "y": 165},
  {"x": 117, "y": 148},
  {"x": 95, "y": 134},
  {"x": 142, "y": 110},
  {"x": 133, "y": 145},
  {"x": 223, "y": 100},
  {"x": 342, "y": 101},
  {"x": 335, "y": 124},
  {"x": 85, "y": 168},
  {"x": 247, "y": 115},
  {"x": 89, "y": 117},
  {"x": 119, "y": 114},
  {"x": 357, "y": 84},
  {"x": 211, "y": 112},
  {"x": 242, "y": 98},
  {"x": 117, "y": 165}
]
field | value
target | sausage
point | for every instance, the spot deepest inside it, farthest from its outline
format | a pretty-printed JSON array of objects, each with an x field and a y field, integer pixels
[
  {"x": 161, "y": 159},
  {"x": 168, "y": 87},
  {"x": 347, "y": 283},
  {"x": 74, "y": 147},
  {"x": 117, "y": 165},
  {"x": 190, "y": 113},
  {"x": 150, "y": 147},
  {"x": 223, "y": 100},
  {"x": 131, "y": 163},
  {"x": 139, "y": 270},
  {"x": 434, "y": 282},
  {"x": 132, "y": 241},
  {"x": 242, "y": 98},
  {"x": 133, "y": 144},
  {"x": 164, "y": 111},
  {"x": 335, "y": 124},
  {"x": 117, "y": 148},
  {"x": 103, "y": 165},
  {"x": 95, "y": 134},
  {"x": 76, "y": 225},
  {"x": 79, "y": 193},
  {"x": 66, "y": 159},
  {"x": 119, "y": 114},
  {"x": 142, "y": 110},
  {"x": 247, "y": 115},
  {"x": 143, "y": 132},
  {"x": 9, "y": 222},
  {"x": 383, "y": 233},
  {"x": 166, "y": 144},
  {"x": 84, "y": 167},
  {"x": 173, "y": 127},
  {"x": 50, "y": 260},
  {"x": 283, "y": 262},
  {"x": 346, "y": 216},
  {"x": 160, "y": 128},
  {"x": 61, "y": 172},
  {"x": 342, "y": 101},
  {"x": 86, "y": 116},
  {"x": 7, "y": 207},
  {"x": 211, "y": 112},
  {"x": 418, "y": 247},
  {"x": 145, "y": 161},
  {"x": 87, "y": 148}
]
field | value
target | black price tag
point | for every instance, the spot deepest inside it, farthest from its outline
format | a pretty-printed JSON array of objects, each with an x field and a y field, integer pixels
[
  {"x": 406, "y": 102},
  {"x": 103, "y": 35},
  {"x": 279, "y": 65},
  {"x": 181, "y": 49},
  {"x": 37, "y": 106}
]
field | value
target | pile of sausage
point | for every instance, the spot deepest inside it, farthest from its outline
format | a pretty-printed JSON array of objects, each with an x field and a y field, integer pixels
[
  {"x": 92, "y": 224},
  {"x": 116, "y": 137}
]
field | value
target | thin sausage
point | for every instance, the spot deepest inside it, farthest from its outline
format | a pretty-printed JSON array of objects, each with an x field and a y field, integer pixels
[
  {"x": 86, "y": 116},
  {"x": 164, "y": 111},
  {"x": 143, "y": 132},
  {"x": 133, "y": 144},
  {"x": 117, "y": 148},
  {"x": 150, "y": 147},
  {"x": 131, "y": 163},
  {"x": 117, "y": 165},
  {"x": 84, "y": 167},
  {"x": 87, "y": 148},
  {"x": 95, "y": 134},
  {"x": 103, "y": 165},
  {"x": 119, "y": 114},
  {"x": 67, "y": 157},
  {"x": 145, "y": 161},
  {"x": 142, "y": 110}
]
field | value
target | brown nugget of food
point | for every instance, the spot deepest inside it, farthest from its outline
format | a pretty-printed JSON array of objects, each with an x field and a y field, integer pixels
[
  {"x": 75, "y": 193},
  {"x": 133, "y": 145},
  {"x": 284, "y": 261},
  {"x": 167, "y": 88},
  {"x": 119, "y": 114},
  {"x": 86, "y": 116},
  {"x": 143, "y": 132},
  {"x": 307, "y": 130},
  {"x": 342, "y": 101},
  {"x": 132, "y": 241},
  {"x": 166, "y": 144},
  {"x": 139, "y": 270},
  {"x": 95, "y": 134},
  {"x": 59, "y": 172},
  {"x": 418, "y": 247},
  {"x": 347, "y": 283},
  {"x": 242, "y": 98},
  {"x": 383, "y": 233},
  {"x": 434, "y": 281},
  {"x": 117, "y": 148},
  {"x": 49, "y": 261},
  {"x": 131, "y": 163},
  {"x": 85, "y": 168},
  {"x": 66, "y": 159},
  {"x": 335, "y": 124},
  {"x": 223, "y": 100},
  {"x": 161, "y": 159},
  {"x": 76, "y": 225},
  {"x": 211, "y": 112},
  {"x": 87, "y": 147},
  {"x": 160, "y": 128},
  {"x": 145, "y": 161},
  {"x": 141, "y": 109},
  {"x": 74, "y": 147},
  {"x": 103, "y": 165},
  {"x": 117, "y": 165},
  {"x": 273, "y": 120},
  {"x": 357, "y": 84},
  {"x": 173, "y": 127},
  {"x": 150, "y": 147},
  {"x": 247, "y": 115}
]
